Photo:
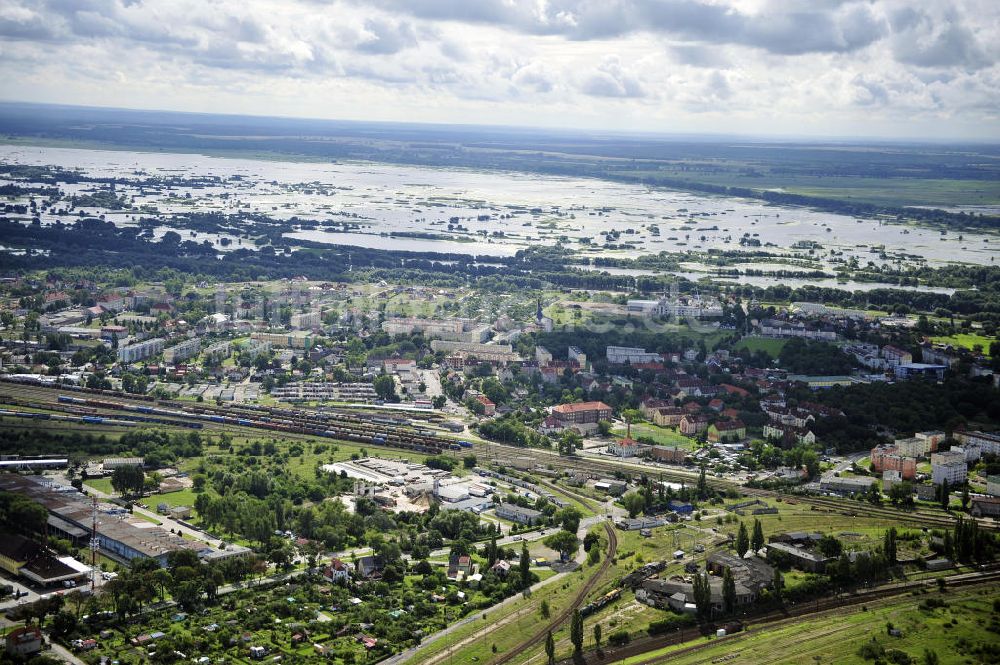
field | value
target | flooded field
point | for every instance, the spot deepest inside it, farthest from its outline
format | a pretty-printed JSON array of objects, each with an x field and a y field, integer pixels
[{"x": 477, "y": 213}]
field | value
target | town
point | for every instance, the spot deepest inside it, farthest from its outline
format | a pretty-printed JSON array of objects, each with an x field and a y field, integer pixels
[{"x": 324, "y": 443}]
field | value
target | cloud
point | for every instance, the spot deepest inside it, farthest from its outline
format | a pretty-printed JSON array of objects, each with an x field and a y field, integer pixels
[
  {"x": 769, "y": 65},
  {"x": 610, "y": 79}
]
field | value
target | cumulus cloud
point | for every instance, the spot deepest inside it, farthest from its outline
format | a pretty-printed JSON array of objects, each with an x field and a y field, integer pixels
[{"x": 774, "y": 65}]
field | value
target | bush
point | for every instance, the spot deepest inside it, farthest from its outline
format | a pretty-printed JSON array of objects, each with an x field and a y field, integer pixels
[
  {"x": 871, "y": 650},
  {"x": 670, "y": 624},
  {"x": 618, "y": 638},
  {"x": 898, "y": 657}
]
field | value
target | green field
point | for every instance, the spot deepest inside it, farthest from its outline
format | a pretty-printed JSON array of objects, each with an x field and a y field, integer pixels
[
  {"x": 966, "y": 341},
  {"x": 664, "y": 436},
  {"x": 771, "y": 347},
  {"x": 965, "y": 631}
]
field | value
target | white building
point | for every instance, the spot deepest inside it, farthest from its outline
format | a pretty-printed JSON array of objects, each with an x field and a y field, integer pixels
[
  {"x": 950, "y": 466},
  {"x": 140, "y": 351},
  {"x": 306, "y": 320},
  {"x": 619, "y": 355},
  {"x": 181, "y": 352}
]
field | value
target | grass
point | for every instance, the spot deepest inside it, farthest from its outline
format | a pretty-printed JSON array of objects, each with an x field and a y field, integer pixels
[
  {"x": 771, "y": 347},
  {"x": 966, "y": 340},
  {"x": 954, "y": 633},
  {"x": 663, "y": 436}
]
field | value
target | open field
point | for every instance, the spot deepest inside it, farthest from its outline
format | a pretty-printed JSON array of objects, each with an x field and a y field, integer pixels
[
  {"x": 664, "y": 436},
  {"x": 966, "y": 340},
  {"x": 957, "y": 633},
  {"x": 771, "y": 347}
]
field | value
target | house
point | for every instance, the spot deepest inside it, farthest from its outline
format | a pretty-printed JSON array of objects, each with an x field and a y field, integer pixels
[
  {"x": 729, "y": 430},
  {"x": 650, "y": 406},
  {"x": 716, "y": 405},
  {"x": 668, "y": 416},
  {"x": 337, "y": 571},
  {"x": 370, "y": 566},
  {"x": 691, "y": 425},
  {"x": 501, "y": 568},
  {"x": 489, "y": 408},
  {"x": 459, "y": 567},
  {"x": 257, "y": 652},
  {"x": 24, "y": 641},
  {"x": 515, "y": 513}
]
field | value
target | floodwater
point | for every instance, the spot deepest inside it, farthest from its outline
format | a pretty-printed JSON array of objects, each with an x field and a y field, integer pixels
[{"x": 488, "y": 214}]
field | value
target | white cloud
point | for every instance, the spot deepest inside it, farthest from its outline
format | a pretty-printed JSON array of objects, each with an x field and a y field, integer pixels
[{"x": 775, "y": 66}]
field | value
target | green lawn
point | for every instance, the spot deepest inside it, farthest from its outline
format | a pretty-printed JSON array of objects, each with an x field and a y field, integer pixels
[
  {"x": 956, "y": 633},
  {"x": 663, "y": 436},
  {"x": 966, "y": 340},
  {"x": 771, "y": 347}
]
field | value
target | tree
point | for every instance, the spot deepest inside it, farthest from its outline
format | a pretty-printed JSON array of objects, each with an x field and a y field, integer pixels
[
  {"x": 128, "y": 480},
  {"x": 778, "y": 584},
  {"x": 63, "y": 623},
  {"x": 889, "y": 546},
  {"x": 525, "y": 566},
  {"x": 830, "y": 546},
  {"x": 702, "y": 593},
  {"x": 945, "y": 495},
  {"x": 965, "y": 497},
  {"x": 544, "y": 609},
  {"x": 597, "y": 636},
  {"x": 385, "y": 387},
  {"x": 634, "y": 503},
  {"x": 569, "y": 517},
  {"x": 550, "y": 649},
  {"x": 874, "y": 495},
  {"x": 576, "y": 632},
  {"x": 901, "y": 493},
  {"x": 742, "y": 541},
  {"x": 702, "y": 483},
  {"x": 564, "y": 542},
  {"x": 931, "y": 657},
  {"x": 757, "y": 540},
  {"x": 728, "y": 591}
]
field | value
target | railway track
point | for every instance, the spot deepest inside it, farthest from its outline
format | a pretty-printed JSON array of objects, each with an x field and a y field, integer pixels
[
  {"x": 379, "y": 430},
  {"x": 539, "y": 636},
  {"x": 792, "y": 613}
]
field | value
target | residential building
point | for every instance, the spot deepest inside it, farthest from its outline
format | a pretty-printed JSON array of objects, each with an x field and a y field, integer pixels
[
  {"x": 582, "y": 413},
  {"x": 988, "y": 442},
  {"x": 888, "y": 458},
  {"x": 285, "y": 340},
  {"x": 543, "y": 355},
  {"x": 306, "y": 320},
  {"x": 626, "y": 447},
  {"x": 619, "y": 355},
  {"x": 489, "y": 408},
  {"x": 140, "y": 351},
  {"x": 692, "y": 424},
  {"x": 24, "y": 641},
  {"x": 181, "y": 352},
  {"x": 454, "y": 330},
  {"x": 950, "y": 466},
  {"x": 896, "y": 356},
  {"x": 669, "y": 416},
  {"x": 576, "y": 354},
  {"x": 337, "y": 571},
  {"x": 727, "y": 430},
  {"x": 993, "y": 485}
]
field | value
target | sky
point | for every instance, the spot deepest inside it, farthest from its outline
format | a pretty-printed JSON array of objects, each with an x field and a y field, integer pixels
[{"x": 888, "y": 68}]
